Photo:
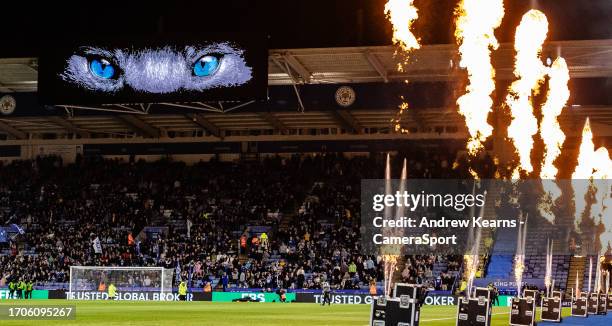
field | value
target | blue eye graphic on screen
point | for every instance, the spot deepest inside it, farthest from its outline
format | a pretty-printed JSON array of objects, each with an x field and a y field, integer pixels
[
  {"x": 157, "y": 70},
  {"x": 206, "y": 66},
  {"x": 101, "y": 68}
]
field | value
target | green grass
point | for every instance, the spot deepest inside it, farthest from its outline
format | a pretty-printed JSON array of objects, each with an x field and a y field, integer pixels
[{"x": 234, "y": 314}]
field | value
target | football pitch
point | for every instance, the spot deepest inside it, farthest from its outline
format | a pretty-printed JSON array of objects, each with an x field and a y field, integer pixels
[{"x": 234, "y": 314}]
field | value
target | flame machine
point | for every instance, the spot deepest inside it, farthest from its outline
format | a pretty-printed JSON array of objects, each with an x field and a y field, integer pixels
[
  {"x": 579, "y": 305},
  {"x": 475, "y": 310},
  {"x": 597, "y": 304},
  {"x": 402, "y": 309},
  {"x": 523, "y": 311},
  {"x": 551, "y": 307}
]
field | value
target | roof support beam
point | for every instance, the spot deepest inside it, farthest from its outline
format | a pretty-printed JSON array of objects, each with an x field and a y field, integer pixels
[
  {"x": 139, "y": 126},
  {"x": 377, "y": 65},
  {"x": 273, "y": 121},
  {"x": 69, "y": 126},
  {"x": 294, "y": 80},
  {"x": 18, "y": 134},
  {"x": 201, "y": 121},
  {"x": 348, "y": 121},
  {"x": 282, "y": 66},
  {"x": 298, "y": 67},
  {"x": 6, "y": 89}
]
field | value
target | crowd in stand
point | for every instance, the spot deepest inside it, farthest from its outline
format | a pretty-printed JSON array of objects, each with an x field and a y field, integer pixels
[{"x": 308, "y": 206}]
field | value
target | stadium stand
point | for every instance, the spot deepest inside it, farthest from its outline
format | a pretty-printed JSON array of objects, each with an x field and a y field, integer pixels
[{"x": 192, "y": 219}]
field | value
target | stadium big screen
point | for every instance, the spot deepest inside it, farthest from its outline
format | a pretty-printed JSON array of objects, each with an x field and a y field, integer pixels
[{"x": 153, "y": 68}]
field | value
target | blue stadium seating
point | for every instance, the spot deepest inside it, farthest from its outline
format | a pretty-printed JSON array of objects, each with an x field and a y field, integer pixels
[{"x": 500, "y": 265}]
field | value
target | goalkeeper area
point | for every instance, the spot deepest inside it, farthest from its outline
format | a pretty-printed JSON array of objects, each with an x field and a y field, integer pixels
[
  {"x": 92, "y": 282},
  {"x": 232, "y": 314}
]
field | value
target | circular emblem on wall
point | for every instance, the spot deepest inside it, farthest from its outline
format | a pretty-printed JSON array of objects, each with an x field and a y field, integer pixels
[
  {"x": 7, "y": 104},
  {"x": 345, "y": 96}
]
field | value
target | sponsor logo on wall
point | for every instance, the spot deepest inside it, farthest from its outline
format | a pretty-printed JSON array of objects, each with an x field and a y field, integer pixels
[
  {"x": 36, "y": 294},
  {"x": 130, "y": 296},
  {"x": 345, "y": 299},
  {"x": 431, "y": 300},
  {"x": 351, "y": 299},
  {"x": 255, "y": 296}
]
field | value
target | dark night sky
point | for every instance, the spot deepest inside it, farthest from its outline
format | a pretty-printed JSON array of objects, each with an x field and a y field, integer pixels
[{"x": 289, "y": 23}]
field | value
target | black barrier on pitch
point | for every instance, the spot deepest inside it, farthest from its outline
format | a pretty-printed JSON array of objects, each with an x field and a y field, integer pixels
[
  {"x": 552, "y": 307},
  {"x": 602, "y": 308},
  {"x": 413, "y": 291},
  {"x": 405, "y": 289},
  {"x": 483, "y": 292},
  {"x": 523, "y": 312},
  {"x": 474, "y": 312},
  {"x": 593, "y": 304},
  {"x": 557, "y": 294},
  {"x": 579, "y": 307},
  {"x": 534, "y": 294},
  {"x": 402, "y": 311}
]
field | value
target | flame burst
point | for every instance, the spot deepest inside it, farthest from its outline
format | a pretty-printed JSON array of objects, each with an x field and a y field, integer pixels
[
  {"x": 402, "y": 14},
  {"x": 550, "y": 129},
  {"x": 552, "y": 135},
  {"x": 593, "y": 165},
  {"x": 476, "y": 24},
  {"x": 583, "y": 171},
  {"x": 530, "y": 71}
]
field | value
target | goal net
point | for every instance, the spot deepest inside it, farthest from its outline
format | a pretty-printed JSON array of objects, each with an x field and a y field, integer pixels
[{"x": 132, "y": 283}]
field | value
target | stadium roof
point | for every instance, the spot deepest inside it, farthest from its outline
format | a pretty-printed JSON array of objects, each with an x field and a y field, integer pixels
[
  {"x": 164, "y": 125},
  {"x": 586, "y": 59},
  {"x": 316, "y": 66}
]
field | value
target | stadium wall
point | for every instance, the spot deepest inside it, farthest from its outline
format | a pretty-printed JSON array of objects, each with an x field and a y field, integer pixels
[{"x": 433, "y": 299}]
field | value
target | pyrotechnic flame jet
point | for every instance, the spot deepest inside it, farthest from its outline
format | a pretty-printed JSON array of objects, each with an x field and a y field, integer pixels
[
  {"x": 592, "y": 173},
  {"x": 530, "y": 71},
  {"x": 551, "y": 132},
  {"x": 402, "y": 14},
  {"x": 391, "y": 253},
  {"x": 519, "y": 258},
  {"x": 552, "y": 135},
  {"x": 548, "y": 280},
  {"x": 590, "y": 273},
  {"x": 472, "y": 258},
  {"x": 476, "y": 24}
]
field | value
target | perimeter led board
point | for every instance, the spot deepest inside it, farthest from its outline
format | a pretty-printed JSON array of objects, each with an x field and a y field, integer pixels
[{"x": 154, "y": 69}]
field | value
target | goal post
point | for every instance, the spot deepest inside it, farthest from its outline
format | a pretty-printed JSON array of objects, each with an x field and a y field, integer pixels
[{"x": 92, "y": 282}]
